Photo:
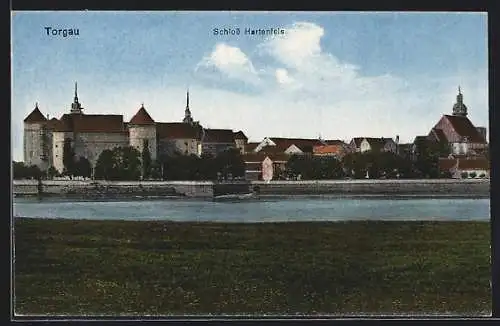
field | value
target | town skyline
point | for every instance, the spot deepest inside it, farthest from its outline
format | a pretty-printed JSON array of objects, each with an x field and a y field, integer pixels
[{"x": 303, "y": 84}]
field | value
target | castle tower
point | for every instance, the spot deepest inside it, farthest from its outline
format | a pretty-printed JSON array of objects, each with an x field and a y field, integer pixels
[
  {"x": 76, "y": 107},
  {"x": 459, "y": 108},
  {"x": 187, "y": 112},
  {"x": 142, "y": 132},
  {"x": 36, "y": 141}
]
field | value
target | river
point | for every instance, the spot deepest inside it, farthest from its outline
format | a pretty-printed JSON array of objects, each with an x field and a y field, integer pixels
[{"x": 264, "y": 210}]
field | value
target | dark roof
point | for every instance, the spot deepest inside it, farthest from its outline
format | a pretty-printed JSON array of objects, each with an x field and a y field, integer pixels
[
  {"x": 377, "y": 143},
  {"x": 89, "y": 123},
  {"x": 177, "y": 130},
  {"x": 240, "y": 135},
  {"x": 357, "y": 141},
  {"x": 464, "y": 164},
  {"x": 284, "y": 143},
  {"x": 222, "y": 136},
  {"x": 464, "y": 128},
  {"x": 439, "y": 135},
  {"x": 251, "y": 146},
  {"x": 420, "y": 139},
  {"x": 35, "y": 116},
  {"x": 334, "y": 142},
  {"x": 142, "y": 117}
]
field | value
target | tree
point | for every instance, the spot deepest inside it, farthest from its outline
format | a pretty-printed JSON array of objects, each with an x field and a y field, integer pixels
[
  {"x": 127, "y": 163},
  {"x": 82, "y": 167},
  {"x": 52, "y": 172},
  {"x": 146, "y": 160},
  {"x": 355, "y": 165},
  {"x": 230, "y": 162},
  {"x": 68, "y": 157},
  {"x": 105, "y": 166}
]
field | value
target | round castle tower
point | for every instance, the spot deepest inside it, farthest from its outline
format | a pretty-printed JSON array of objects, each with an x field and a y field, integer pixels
[
  {"x": 142, "y": 132},
  {"x": 36, "y": 140}
]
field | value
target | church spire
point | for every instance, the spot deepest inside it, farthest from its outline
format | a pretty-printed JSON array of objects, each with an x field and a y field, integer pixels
[
  {"x": 459, "y": 109},
  {"x": 75, "y": 106},
  {"x": 187, "y": 112}
]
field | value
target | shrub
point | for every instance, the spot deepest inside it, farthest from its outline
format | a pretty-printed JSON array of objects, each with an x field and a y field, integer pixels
[
  {"x": 464, "y": 175},
  {"x": 482, "y": 175},
  {"x": 473, "y": 174}
]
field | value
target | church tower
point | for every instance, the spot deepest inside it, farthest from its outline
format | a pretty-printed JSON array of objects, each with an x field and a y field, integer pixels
[
  {"x": 76, "y": 107},
  {"x": 459, "y": 108},
  {"x": 187, "y": 112}
]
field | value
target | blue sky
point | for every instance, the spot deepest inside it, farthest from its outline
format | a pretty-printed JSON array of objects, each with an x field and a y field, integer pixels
[{"x": 338, "y": 75}]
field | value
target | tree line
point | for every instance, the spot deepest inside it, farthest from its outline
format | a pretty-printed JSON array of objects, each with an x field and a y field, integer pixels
[{"x": 127, "y": 163}]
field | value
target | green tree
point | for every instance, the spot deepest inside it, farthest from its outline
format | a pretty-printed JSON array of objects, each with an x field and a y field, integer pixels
[
  {"x": 146, "y": 160},
  {"x": 355, "y": 165},
  {"x": 19, "y": 170},
  {"x": 52, "y": 172},
  {"x": 230, "y": 162},
  {"x": 68, "y": 157},
  {"x": 105, "y": 166},
  {"x": 128, "y": 163},
  {"x": 82, "y": 167}
]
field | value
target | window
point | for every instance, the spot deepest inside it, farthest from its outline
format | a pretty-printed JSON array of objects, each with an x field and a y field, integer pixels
[{"x": 57, "y": 146}]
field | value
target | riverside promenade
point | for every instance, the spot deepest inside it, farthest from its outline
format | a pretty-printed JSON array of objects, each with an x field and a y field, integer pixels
[{"x": 209, "y": 189}]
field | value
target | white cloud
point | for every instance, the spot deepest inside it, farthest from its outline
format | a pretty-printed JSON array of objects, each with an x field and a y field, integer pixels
[
  {"x": 231, "y": 61},
  {"x": 282, "y": 76}
]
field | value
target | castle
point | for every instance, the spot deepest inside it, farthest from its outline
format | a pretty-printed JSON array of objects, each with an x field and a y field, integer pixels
[{"x": 90, "y": 134}]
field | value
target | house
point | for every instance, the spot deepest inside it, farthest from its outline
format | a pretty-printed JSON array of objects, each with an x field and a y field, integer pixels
[
  {"x": 178, "y": 138},
  {"x": 289, "y": 145},
  {"x": 405, "y": 150},
  {"x": 241, "y": 141},
  {"x": 338, "y": 151},
  {"x": 215, "y": 141},
  {"x": 465, "y": 167},
  {"x": 254, "y": 163},
  {"x": 366, "y": 144}
]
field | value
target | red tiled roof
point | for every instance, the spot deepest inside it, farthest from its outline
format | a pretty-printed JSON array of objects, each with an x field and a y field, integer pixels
[
  {"x": 464, "y": 128},
  {"x": 142, "y": 117},
  {"x": 35, "y": 116},
  {"x": 240, "y": 135},
  {"x": 284, "y": 143},
  {"x": 221, "y": 136},
  {"x": 177, "y": 130},
  {"x": 328, "y": 149},
  {"x": 89, "y": 123}
]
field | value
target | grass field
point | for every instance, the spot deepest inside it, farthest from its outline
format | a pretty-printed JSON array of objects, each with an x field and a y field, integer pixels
[{"x": 159, "y": 268}]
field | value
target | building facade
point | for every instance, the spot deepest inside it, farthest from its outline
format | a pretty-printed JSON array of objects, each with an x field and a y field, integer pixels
[{"x": 90, "y": 134}]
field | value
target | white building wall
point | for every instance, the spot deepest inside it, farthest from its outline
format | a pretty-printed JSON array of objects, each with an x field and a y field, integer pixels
[
  {"x": 364, "y": 146},
  {"x": 184, "y": 146},
  {"x": 137, "y": 135},
  {"x": 32, "y": 145},
  {"x": 88, "y": 145}
]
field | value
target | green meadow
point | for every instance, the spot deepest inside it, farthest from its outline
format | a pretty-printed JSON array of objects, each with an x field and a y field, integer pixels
[{"x": 84, "y": 267}]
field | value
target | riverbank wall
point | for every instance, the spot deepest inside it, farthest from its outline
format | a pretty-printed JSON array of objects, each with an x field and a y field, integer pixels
[
  {"x": 451, "y": 187},
  {"x": 208, "y": 189},
  {"x": 104, "y": 189}
]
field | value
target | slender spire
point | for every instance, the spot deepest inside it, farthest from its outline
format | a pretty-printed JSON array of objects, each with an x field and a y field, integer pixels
[
  {"x": 75, "y": 106},
  {"x": 76, "y": 92},
  {"x": 36, "y": 105},
  {"x": 459, "y": 92},
  {"x": 187, "y": 111},
  {"x": 142, "y": 105}
]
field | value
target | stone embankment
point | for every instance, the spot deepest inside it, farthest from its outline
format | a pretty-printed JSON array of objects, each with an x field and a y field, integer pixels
[
  {"x": 208, "y": 189},
  {"x": 424, "y": 187}
]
